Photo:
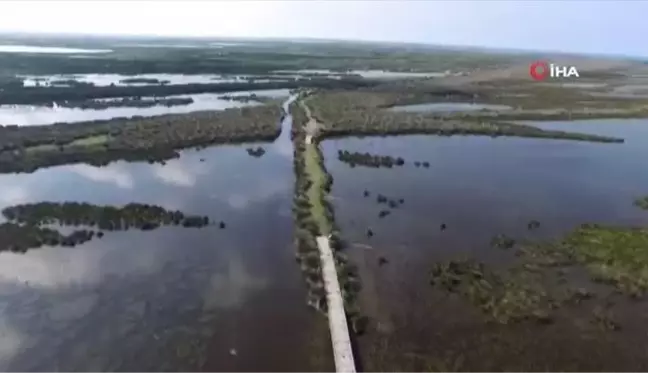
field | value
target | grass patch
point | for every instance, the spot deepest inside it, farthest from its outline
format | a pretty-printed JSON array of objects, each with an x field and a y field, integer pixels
[
  {"x": 316, "y": 190},
  {"x": 91, "y": 141},
  {"x": 41, "y": 148},
  {"x": 613, "y": 255},
  {"x": 505, "y": 298}
]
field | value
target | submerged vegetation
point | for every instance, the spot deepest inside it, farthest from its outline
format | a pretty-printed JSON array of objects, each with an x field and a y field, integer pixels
[
  {"x": 27, "y": 225},
  {"x": 25, "y": 149},
  {"x": 614, "y": 255},
  {"x": 136, "y": 102},
  {"x": 245, "y": 98},
  {"x": 369, "y": 160},
  {"x": 257, "y": 152},
  {"x": 536, "y": 284},
  {"x": 642, "y": 203},
  {"x": 505, "y": 299}
]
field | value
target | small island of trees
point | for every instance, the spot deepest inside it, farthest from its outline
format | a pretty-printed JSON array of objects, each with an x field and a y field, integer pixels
[{"x": 32, "y": 225}]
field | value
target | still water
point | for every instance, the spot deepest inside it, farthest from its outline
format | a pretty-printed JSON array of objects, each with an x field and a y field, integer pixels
[
  {"x": 50, "y": 50},
  {"x": 487, "y": 186},
  {"x": 29, "y": 115},
  {"x": 480, "y": 187},
  {"x": 104, "y": 80},
  {"x": 171, "y": 299}
]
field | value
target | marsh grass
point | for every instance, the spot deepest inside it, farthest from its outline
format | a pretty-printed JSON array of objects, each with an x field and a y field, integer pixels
[{"x": 509, "y": 297}]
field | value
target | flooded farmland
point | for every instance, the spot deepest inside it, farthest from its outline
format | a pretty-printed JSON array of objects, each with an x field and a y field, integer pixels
[
  {"x": 172, "y": 299},
  {"x": 472, "y": 189}
]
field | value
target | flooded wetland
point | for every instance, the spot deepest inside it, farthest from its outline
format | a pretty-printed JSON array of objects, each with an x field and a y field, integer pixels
[{"x": 161, "y": 213}]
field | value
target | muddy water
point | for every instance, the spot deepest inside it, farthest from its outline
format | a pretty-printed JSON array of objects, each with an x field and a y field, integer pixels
[
  {"x": 172, "y": 299},
  {"x": 480, "y": 187}
]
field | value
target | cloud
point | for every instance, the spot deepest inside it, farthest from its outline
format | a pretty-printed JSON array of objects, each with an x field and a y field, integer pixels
[
  {"x": 230, "y": 289},
  {"x": 179, "y": 173},
  {"x": 554, "y": 25},
  {"x": 264, "y": 190},
  {"x": 11, "y": 341},
  {"x": 113, "y": 173},
  {"x": 12, "y": 195}
]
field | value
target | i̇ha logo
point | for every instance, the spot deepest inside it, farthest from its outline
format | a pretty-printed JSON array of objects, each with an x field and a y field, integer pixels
[{"x": 541, "y": 70}]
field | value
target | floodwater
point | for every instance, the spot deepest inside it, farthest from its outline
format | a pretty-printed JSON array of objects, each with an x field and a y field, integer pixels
[
  {"x": 104, "y": 80},
  {"x": 29, "y": 115},
  {"x": 480, "y": 187},
  {"x": 173, "y": 299},
  {"x": 446, "y": 107},
  {"x": 370, "y": 74},
  {"x": 51, "y": 50}
]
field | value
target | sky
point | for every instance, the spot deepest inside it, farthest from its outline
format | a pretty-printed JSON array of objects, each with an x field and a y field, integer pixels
[{"x": 601, "y": 27}]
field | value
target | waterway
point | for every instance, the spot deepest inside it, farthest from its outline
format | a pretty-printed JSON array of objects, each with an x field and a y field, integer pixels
[
  {"x": 173, "y": 299},
  {"x": 28, "y": 115},
  {"x": 478, "y": 187}
]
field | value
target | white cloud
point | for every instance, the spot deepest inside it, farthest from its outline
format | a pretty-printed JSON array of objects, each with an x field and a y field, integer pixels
[
  {"x": 263, "y": 190},
  {"x": 11, "y": 341},
  {"x": 113, "y": 173},
  {"x": 179, "y": 173},
  {"x": 12, "y": 195},
  {"x": 555, "y": 25},
  {"x": 230, "y": 289}
]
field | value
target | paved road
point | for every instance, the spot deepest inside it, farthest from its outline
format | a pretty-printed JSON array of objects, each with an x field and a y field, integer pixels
[{"x": 340, "y": 338}]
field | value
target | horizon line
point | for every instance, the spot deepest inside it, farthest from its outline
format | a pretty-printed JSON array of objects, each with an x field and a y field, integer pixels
[{"x": 481, "y": 48}]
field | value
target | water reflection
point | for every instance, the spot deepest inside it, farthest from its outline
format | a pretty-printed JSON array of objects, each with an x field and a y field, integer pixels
[
  {"x": 170, "y": 299},
  {"x": 116, "y": 174},
  {"x": 53, "y": 50},
  {"x": 480, "y": 187},
  {"x": 488, "y": 186},
  {"x": 27, "y": 115},
  {"x": 104, "y": 80}
]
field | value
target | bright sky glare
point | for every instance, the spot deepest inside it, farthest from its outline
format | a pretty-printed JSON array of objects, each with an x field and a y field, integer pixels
[{"x": 606, "y": 27}]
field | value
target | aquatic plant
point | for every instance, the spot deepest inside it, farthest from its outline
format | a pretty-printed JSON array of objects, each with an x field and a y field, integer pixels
[
  {"x": 136, "y": 102},
  {"x": 369, "y": 160},
  {"x": 502, "y": 241},
  {"x": 505, "y": 299},
  {"x": 256, "y": 152},
  {"x": 604, "y": 318}
]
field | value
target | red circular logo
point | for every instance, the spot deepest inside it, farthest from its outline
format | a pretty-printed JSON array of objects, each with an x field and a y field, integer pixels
[{"x": 539, "y": 70}]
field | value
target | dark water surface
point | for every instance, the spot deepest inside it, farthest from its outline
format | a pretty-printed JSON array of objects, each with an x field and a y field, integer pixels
[
  {"x": 480, "y": 187},
  {"x": 170, "y": 299}
]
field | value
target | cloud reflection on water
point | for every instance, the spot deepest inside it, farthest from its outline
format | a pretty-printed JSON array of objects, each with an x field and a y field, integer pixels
[{"x": 114, "y": 173}]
